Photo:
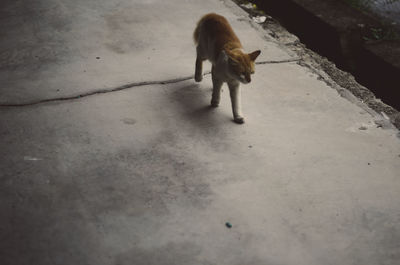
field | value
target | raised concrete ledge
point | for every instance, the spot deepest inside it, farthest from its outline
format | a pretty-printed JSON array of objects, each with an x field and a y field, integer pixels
[{"x": 337, "y": 31}]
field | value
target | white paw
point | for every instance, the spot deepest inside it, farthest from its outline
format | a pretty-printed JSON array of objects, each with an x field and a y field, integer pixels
[
  {"x": 198, "y": 78},
  {"x": 239, "y": 120},
  {"x": 214, "y": 104}
]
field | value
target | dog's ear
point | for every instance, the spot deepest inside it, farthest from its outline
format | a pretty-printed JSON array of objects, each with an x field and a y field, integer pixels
[{"x": 254, "y": 55}]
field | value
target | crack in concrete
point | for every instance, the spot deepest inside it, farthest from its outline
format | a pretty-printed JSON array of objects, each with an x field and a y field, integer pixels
[
  {"x": 280, "y": 61},
  {"x": 98, "y": 91},
  {"x": 123, "y": 87}
]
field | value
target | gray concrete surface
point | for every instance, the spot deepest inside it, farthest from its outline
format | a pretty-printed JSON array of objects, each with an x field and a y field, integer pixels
[
  {"x": 150, "y": 174},
  {"x": 55, "y": 49}
]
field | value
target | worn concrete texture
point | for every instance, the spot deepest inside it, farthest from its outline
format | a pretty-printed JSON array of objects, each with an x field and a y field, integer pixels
[
  {"x": 62, "y": 48},
  {"x": 150, "y": 174}
]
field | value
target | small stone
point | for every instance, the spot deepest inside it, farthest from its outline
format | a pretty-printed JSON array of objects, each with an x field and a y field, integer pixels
[
  {"x": 247, "y": 6},
  {"x": 259, "y": 19},
  {"x": 362, "y": 128},
  {"x": 97, "y": 57},
  {"x": 229, "y": 225},
  {"x": 250, "y": 146}
]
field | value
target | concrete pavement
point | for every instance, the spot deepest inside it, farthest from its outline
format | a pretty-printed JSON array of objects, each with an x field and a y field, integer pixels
[
  {"x": 63, "y": 48},
  {"x": 150, "y": 174}
]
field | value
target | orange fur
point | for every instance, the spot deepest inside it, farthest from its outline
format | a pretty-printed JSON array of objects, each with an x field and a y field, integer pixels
[
  {"x": 218, "y": 27},
  {"x": 217, "y": 42}
]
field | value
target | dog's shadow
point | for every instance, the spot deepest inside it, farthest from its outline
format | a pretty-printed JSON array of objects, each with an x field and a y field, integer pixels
[{"x": 193, "y": 102}]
